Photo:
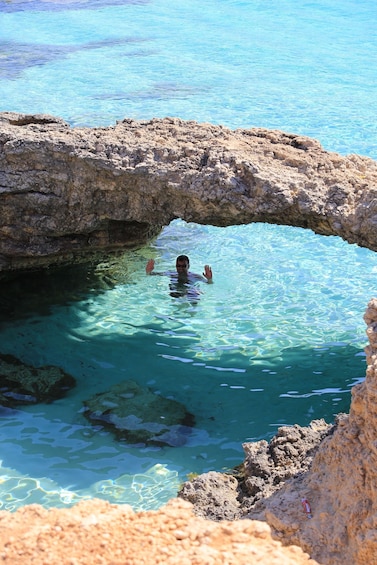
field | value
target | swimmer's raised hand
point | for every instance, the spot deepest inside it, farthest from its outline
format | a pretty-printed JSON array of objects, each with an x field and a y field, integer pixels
[
  {"x": 149, "y": 266},
  {"x": 207, "y": 273}
]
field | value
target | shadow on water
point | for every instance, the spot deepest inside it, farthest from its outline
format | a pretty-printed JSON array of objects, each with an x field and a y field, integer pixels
[
  {"x": 36, "y": 292},
  {"x": 233, "y": 400},
  {"x": 299, "y": 376}
]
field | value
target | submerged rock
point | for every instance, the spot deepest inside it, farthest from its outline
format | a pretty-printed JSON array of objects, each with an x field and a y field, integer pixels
[
  {"x": 24, "y": 384},
  {"x": 138, "y": 415}
]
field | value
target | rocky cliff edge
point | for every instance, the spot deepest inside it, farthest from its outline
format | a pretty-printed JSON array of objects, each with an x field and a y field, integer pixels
[
  {"x": 341, "y": 482},
  {"x": 333, "y": 468},
  {"x": 99, "y": 533}
]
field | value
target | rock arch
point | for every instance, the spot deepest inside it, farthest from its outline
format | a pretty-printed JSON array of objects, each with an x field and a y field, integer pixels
[{"x": 68, "y": 194}]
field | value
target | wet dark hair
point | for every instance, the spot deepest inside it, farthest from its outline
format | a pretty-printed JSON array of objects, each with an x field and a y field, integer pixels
[{"x": 183, "y": 258}]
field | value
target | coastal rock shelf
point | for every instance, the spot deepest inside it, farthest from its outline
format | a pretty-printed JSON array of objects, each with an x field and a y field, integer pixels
[
  {"x": 338, "y": 480},
  {"x": 100, "y": 533},
  {"x": 74, "y": 194},
  {"x": 266, "y": 467}
]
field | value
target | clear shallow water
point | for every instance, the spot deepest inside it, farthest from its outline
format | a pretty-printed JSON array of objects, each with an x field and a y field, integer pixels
[
  {"x": 304, "y": 67},
  {"x": 278, "y": 338}
]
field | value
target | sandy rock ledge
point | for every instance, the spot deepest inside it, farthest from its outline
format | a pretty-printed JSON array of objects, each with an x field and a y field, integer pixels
[{"x": 97, "y": 532}]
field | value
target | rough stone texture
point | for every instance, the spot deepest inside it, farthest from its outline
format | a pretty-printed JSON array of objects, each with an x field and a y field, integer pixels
[
  {"x": 138, "y": 415},
  {"x": 339, "y": 479},
  {"x": 340, "y": 484},
  {"x": 24, "y": 384},
  {"x": 69, "y": 193},
  {"x": 266, "y": 467},
  {"x": 290, "y": 452},
  {"x": 98, "y": 533},
  {"x": 214, "y": 496}
]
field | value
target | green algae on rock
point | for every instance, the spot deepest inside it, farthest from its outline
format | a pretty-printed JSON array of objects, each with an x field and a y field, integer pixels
[
  {"x": 25, "y": 384},
  {"x": 138, "y": 415}
]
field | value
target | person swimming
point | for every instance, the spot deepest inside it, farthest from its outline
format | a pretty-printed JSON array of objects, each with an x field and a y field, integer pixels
[{"x": 182, "y": 281}]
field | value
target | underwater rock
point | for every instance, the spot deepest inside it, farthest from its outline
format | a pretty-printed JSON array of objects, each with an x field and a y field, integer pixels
[
  {"x": 138, "y": 415},
  {"x": 25, "y": 384}
]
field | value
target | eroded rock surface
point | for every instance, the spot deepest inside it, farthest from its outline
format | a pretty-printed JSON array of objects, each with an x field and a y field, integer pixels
[
  {"x": 68, "y": 194},
  {"x": 290, "y": 452},
  {"x": 100, "y": 533},
  {"x": 214, "y": 496},
  {"x": 340, "y": 484},
  {"x": 24, "y": 384},
  {"x": 138, "y": 415},
  {"x": 266, "y": 467}
]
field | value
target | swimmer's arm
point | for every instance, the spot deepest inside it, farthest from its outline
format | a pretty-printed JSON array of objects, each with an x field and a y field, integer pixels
[
  {"x": 149, "y": 269},
  {"x": 206, "y": 277}
]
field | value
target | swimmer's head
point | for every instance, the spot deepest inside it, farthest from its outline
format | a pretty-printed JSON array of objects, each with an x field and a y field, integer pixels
[{"x": 182, "y": 264}]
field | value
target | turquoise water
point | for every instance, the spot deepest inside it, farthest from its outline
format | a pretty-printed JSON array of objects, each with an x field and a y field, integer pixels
[
  {"x": 304, "y": 67},
  {"x": 278, "y": 338}
]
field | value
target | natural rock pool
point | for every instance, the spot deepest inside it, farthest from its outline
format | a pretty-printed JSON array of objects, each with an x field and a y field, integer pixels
[{"x": 278, "y": 338}]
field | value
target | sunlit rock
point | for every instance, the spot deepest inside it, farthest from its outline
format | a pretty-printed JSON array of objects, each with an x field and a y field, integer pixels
[
  {"x": 73, "y": 194},
  {"x": 340, "y": 483},
  {"x": 98, "y": 532},
  {"x": 266, "y": 467},
  {"x": 214, "y": 495}
]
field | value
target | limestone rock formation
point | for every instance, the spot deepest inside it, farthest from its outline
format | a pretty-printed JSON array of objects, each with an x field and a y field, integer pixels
[
  {"x": 340, "y": 484},
  {"x": 266, "y": 467},
  {"x": 138, "y": 415},
  {"x": 23, "y": 384},
  {"x": 68, "y": 194},
  {"x": 100, "y": 533},
  {"x": 290, "y": 452},
  {"x": 214, "y": 496}
]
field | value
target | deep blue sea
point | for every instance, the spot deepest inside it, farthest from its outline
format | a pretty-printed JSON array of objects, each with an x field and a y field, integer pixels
[{"x": 278, "y": 338}]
